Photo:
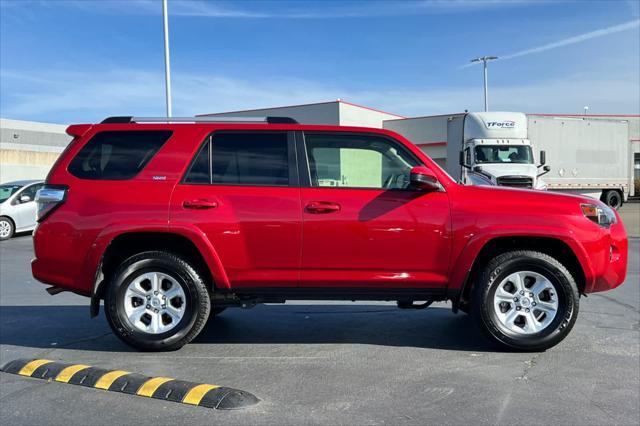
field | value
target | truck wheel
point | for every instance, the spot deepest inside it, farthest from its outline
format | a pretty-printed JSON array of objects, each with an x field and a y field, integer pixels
[
  {"x": 6, "y": 228},
  {"x": 156, "y": 301},
  {"x": 613, "y": 199},
  {"x": 525, "y": 300}
]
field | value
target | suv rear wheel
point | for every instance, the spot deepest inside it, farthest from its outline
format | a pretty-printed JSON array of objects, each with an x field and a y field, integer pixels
[
  {"x": 525, "y": 300},
  {"x": 157, "y": 302}
]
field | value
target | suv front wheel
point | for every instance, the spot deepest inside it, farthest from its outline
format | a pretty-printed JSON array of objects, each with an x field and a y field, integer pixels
[
  {"x": 525, "y": 300},
  {"x": 157, "y": 302}
]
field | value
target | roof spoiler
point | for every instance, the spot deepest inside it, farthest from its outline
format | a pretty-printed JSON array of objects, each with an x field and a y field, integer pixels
[
  {"x": 77, "y": 130},
  {"x": 208, "y": 119}
]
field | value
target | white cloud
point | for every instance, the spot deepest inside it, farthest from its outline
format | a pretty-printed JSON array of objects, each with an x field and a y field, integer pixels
[
  {"x": 626, "y": 26},
  {"x": 65, "y": 96},
  {"x": 577, "y": 39}
]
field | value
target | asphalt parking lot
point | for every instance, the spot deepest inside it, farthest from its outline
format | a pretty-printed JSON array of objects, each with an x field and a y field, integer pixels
[{"x": 345, "y": 363}]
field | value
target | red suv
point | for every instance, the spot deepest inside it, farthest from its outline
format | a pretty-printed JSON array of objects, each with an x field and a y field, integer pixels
[{"x": 171, "y": 221}]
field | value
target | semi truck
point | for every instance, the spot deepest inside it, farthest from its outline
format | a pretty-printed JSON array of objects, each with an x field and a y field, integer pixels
[{"x": 579, "y": 155}]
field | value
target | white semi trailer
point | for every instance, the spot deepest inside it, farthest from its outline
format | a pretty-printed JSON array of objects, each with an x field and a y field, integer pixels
[
  {"x": 580, "y": 155},
  {"x": 588, "y": 155}
]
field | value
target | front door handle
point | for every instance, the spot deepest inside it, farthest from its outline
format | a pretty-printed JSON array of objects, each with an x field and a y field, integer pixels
[
  {"x": 200, "y": 204},
  {"x": 322, "y": 207}
]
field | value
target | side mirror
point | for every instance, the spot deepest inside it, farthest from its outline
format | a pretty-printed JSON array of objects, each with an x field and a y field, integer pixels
[
  {"x": 462, "y": 162},
  {"x": 545, "y": 170},
  {"x": 543, "y": 158},
  {"x": 25, "y": 199},
  {"x": 423, "y": 179}
]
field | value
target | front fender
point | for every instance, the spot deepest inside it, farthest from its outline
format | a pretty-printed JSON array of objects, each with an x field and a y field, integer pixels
[{"x": 462, "y": 263}]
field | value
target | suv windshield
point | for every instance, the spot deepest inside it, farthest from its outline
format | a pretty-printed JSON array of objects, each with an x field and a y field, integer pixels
[
  {"x": 7, "y": 191},
  {"x": 503, "y": 154}
]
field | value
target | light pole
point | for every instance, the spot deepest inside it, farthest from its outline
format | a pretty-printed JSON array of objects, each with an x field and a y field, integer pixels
[
  {"x": 167, "y": 61},
  {"x": 586, "y": 110},
  {"x": 484, "y": 60}
]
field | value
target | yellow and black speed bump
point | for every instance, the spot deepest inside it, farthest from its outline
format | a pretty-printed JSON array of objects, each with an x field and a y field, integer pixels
[{"x": 164, "y": 388}]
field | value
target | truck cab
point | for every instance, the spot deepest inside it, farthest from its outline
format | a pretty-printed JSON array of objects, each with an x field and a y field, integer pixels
[{"x": 495, "y": 150}]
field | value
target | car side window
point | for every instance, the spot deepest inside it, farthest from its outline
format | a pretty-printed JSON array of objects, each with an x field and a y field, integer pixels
[
  {"x": 117, "y": 155},
  {"x": 31, "y": 191},
  {"x": 357, "y": 161},
  {"x": 242, "y": 158},
  {"x": 200, "y": 171}
]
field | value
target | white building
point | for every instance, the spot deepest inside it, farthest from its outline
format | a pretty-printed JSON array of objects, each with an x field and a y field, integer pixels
[
  {"x": 339, "y": 113},
  {"x": 28, "y": 149}
]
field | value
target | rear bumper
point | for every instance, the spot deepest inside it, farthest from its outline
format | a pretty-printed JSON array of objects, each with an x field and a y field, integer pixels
[
  {"x": 48, "y": 275},
  {"x": 59, "y": 259},
  {"x": 608, "y": 260}
]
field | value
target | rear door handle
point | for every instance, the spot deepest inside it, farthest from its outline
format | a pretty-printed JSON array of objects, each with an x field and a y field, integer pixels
[
  {"x": 200, "y": 204},
  {"x": 322, "y": 207}
]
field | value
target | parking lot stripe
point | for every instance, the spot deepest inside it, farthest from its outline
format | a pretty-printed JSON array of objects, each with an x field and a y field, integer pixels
[
  {"x": 163, "y": 388},
  {"x": 105, "y": 381},
  {"x": 66, "y": 374},
  {"x": 151, "y": 385},
  {"x": 32, "y": 366},
  {"x": 196, "y": 394}
]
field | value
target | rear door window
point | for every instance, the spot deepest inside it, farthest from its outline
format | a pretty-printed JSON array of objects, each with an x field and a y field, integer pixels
[
  {"x": 243, "y": 158},
  {"x": 200, "y": 171},
  {"x": 117, "y": 155}
]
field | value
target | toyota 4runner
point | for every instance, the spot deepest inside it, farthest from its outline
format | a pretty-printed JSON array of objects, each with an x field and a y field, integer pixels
[{"x": 171, "y": 221}]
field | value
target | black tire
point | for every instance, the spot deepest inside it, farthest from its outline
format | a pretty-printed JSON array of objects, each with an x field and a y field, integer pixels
[
  {"x": 8, "y": 224},
  {"x": 613, "y": 199},
  {"x": 197, "y": 301},
  {"x": 500, "y": 268}
]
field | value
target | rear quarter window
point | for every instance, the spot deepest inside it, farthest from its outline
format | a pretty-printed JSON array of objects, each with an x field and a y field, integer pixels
[{"x": 117, "y": 155}]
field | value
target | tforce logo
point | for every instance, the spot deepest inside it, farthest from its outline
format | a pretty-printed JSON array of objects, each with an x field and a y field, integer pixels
[{"x": 506, "y": 124}]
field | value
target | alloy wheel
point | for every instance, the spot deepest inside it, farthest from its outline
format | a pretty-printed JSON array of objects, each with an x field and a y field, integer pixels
[
  {"x": 525, "y": 302},
  {"x": 5, "y": 229},
  {"x": 155, "y": 302}
]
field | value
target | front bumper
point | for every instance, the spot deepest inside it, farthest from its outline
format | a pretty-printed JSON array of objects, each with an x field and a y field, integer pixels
[{"x": 608, "y": 257}]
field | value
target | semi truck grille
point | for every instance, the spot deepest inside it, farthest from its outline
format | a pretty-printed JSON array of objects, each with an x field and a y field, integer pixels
[{"x": 516, "y": 181}]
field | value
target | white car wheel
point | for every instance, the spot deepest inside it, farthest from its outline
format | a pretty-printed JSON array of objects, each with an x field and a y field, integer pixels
[{"x": 6, "y": 228}]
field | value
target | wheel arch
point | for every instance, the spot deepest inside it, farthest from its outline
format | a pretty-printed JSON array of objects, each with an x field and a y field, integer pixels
[
  {"x": 552, "y": 246},
  {"x": 186, "y": 243}
]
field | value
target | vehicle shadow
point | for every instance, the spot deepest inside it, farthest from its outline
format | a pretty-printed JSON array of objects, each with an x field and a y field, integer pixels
[{"x": 69, "y": 327}]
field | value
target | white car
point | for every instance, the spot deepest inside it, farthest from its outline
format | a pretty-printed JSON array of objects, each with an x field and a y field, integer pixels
[{"x": 18, "y": 207}]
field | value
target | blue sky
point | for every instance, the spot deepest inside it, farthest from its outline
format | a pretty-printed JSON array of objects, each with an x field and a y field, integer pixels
[{"x": 78, "y": 61}]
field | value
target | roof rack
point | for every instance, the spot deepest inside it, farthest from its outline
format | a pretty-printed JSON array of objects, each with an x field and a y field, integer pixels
[{"x": 130, "y": 119}]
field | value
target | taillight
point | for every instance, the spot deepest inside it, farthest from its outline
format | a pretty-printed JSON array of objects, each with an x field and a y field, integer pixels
[{"x": 49, "y": 198}]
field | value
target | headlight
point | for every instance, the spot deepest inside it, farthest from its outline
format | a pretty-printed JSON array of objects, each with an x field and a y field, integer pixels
[{"x": 600, "y": 214}]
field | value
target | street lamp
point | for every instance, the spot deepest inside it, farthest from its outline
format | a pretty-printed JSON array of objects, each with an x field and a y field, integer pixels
[
  {"x": 167, "y": 65},
  {"x": 484, "y": 60}
]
